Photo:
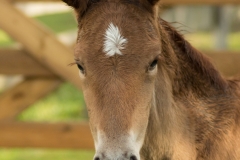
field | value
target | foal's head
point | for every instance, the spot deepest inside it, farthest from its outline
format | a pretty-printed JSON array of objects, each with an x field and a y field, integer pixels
[{"x": 117, "y": 52}]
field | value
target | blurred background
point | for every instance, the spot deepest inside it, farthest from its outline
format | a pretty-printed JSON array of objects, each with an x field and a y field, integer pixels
[{"x": 208, "y": 28}]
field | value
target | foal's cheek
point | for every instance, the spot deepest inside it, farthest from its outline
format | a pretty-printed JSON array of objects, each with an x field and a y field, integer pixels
[
  {"x": 140, "y": 117},
  {"x": 91, "y": 108}
]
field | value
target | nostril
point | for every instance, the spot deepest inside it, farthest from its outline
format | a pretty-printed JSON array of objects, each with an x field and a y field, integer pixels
[
  {"x": 96, "y": 158},
  {"x": 133, "y": 158}
]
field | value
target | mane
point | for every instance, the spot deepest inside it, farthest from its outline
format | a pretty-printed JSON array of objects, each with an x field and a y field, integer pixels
[{"x": 191, "y": 57}]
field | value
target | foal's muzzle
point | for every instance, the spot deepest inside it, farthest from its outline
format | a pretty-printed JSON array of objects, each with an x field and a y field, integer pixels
[{"x": 126, "y": 156}]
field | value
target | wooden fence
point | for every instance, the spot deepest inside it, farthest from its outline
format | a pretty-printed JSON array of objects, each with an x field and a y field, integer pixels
[{"x": 44, "y": 71}]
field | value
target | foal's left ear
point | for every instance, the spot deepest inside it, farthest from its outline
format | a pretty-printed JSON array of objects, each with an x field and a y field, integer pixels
[
  {"x": 151, "y": 5},
  {"x": 153, "y": 2}
]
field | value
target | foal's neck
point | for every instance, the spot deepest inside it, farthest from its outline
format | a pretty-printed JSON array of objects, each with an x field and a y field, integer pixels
[
  {"x": 195, "y": 73},
  {"x": 188, "y": 73}
]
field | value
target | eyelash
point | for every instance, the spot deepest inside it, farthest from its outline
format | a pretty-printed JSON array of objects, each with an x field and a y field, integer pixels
[{"x": 79, "y": 67}]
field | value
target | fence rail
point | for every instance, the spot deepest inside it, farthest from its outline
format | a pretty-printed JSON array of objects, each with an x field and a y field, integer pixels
[
  {"x": 18, "y": 62},
  {"x": 164, "y": 2},
  {"x": 58, "y": 135},
  {"x": 40, "y": 43}
]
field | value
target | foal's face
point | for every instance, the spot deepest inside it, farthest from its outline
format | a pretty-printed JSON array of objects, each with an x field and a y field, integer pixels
[{"x": 117, "y": 53}]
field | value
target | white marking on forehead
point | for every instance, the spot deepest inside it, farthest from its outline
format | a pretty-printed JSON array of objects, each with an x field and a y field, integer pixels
[{"x": 114, "y": 42}]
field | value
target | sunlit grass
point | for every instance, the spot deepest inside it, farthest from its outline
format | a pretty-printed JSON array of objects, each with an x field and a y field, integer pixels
[
  {"x": 234, "y": 41},
  {"x": 5, "y": 40},
  {"x": 203, "y": 41},
  {"x": 206, "y": 41},
  {"x": 45, "y": 154},
  {"x": 65, "y": 104}
]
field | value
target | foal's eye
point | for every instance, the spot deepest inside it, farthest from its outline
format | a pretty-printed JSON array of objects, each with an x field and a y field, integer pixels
[
  {"x": 153, "y": 65},
  {"x": 80, "y": 67}
]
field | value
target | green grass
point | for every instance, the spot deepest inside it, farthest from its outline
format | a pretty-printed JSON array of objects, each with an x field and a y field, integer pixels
[
  {"x": 43, "y": 154},
  {"x": 205, "y": 41},
  {"x": 65, "y": 104},
  {"x": 5, "y": 40},
  {"x": 59, "y": 22},
  {"x": 234, "y": 41}
]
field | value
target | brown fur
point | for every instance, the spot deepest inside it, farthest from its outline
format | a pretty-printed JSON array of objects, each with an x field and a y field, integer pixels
[{"x": 186, "y": 111}]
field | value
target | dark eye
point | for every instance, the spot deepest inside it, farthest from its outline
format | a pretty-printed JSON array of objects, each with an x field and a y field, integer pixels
[
  {"x": 153, "y": 65},
  {"x": 81, "y": 68}
]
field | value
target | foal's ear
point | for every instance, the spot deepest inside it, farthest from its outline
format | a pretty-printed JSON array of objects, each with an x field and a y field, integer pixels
[
  {"x": 75, "y": 3},
  {"x": 80, "y": 6},
  {"x": 151, "y": 5},
  {"x": 153, "y": 2}
]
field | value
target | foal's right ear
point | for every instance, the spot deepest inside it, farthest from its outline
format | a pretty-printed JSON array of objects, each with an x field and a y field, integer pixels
[
  {"x": 74, "y": 3},
  {"x": 80, "y": 6}
]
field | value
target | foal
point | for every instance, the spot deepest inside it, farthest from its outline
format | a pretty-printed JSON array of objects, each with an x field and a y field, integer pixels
[{"x": 150, "y": 95}]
